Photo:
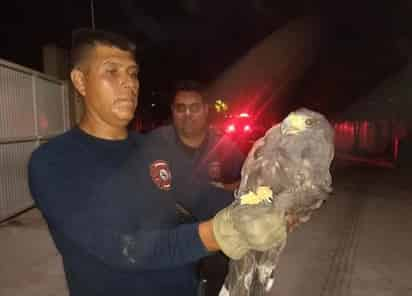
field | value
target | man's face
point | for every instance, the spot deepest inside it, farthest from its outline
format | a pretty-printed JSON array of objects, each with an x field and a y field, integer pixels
[
  {"x": 109, "y": 85},
  {"x": 189, "y": 113}
]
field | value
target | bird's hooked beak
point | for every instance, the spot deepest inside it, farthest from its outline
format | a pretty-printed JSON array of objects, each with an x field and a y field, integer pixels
[{"x": 292, "y": 124}]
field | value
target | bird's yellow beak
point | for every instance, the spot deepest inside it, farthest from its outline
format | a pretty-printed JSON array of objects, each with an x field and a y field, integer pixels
[{"x": 294, "y": 124}]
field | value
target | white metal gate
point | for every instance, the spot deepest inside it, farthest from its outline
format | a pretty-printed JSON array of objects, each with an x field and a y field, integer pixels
[{"x": 33, "y": 108}]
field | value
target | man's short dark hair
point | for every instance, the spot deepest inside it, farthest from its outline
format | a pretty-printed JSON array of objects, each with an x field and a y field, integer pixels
[
  {"x": 191, "y": 85},
  {"x": 83, "y": 40}
]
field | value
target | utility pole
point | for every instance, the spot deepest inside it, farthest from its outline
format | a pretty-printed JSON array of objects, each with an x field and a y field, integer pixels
[{"x": 92, "y": 14}]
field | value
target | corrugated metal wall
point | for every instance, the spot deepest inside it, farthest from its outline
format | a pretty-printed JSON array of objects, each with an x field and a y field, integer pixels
[
  {"x": 33, "y": 108},
  {"x": 16, "y": 93},
  {"x": 14, "y": 192}
]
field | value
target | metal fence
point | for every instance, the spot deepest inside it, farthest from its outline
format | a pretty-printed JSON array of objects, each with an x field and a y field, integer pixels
[{"x": 33, "y": 108}]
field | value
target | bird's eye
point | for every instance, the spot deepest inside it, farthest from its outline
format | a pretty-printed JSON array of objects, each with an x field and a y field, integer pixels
[{"x": 309, "y": 122}]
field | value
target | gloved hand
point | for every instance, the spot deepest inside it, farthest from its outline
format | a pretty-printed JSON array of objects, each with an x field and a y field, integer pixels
[{"x": 238, "y": 229}]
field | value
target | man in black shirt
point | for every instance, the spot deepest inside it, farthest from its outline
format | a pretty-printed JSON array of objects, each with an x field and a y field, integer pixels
[{"x": 203, "y": 164}]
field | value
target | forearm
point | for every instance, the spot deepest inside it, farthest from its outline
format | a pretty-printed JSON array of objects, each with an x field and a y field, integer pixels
[
  {"x": 167, "y": 248},
  {"x": 93, "y": 229},
  {"x": 141, "y": 250}
]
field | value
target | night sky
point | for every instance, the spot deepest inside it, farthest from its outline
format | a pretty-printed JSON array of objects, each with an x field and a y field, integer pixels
[{"x": 363, "y": 41}]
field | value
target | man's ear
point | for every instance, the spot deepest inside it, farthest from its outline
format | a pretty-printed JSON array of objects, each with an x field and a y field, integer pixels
[{"x": 79, "y": 81}]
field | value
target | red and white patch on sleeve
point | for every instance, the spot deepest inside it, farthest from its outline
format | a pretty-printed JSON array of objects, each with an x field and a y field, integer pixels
[{"x": 161, "y": 175}]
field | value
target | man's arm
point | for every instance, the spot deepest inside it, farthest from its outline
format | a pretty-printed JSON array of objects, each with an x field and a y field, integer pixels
[
  {"x": 78, "y": 224},
  {"x": 91, "y": 231}
]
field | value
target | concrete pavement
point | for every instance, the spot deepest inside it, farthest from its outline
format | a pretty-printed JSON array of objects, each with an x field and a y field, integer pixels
[
  {"x": 30, "y": 264},
  {"x": 358, "y": 244}
]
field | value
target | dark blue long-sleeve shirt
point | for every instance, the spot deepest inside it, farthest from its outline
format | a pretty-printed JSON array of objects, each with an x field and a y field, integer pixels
[
  {"x": 117, "y": 232},
  {"x": 191, "y": 184},
  {"x": 191, "y": 181}
]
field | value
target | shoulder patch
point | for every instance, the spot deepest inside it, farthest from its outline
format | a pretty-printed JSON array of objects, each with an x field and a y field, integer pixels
[{"x": 161, "y": 174}]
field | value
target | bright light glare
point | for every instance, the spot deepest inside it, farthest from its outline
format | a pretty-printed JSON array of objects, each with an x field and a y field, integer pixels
[
  {"x": 247, "y": 128},
  {"x": 243, "y": 115},
  {"x": 231, "y": 128}
]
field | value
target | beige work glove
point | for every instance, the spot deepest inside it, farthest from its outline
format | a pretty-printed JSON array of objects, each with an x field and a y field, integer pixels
[{"x": 238, "y": 229}]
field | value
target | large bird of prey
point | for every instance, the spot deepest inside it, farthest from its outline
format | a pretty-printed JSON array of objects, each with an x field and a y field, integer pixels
[{"x": 287, "y": 169}]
